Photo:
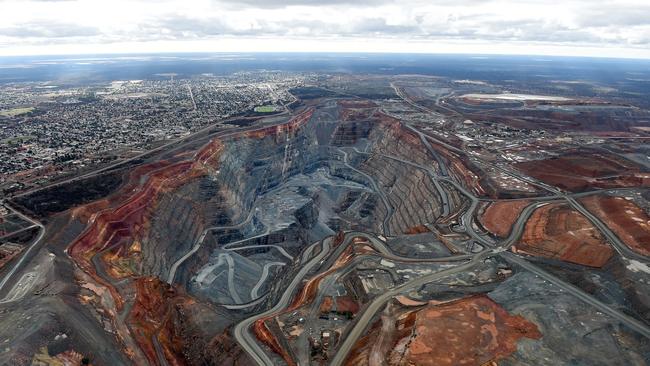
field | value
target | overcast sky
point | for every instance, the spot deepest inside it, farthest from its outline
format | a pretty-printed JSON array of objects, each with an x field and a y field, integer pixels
[{"x": 569, "y": 27}]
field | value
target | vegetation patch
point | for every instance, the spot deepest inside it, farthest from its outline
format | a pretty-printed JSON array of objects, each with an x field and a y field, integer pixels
[
  {"x": 13, "y": 112},
  {"x": 265, "y": 109}
]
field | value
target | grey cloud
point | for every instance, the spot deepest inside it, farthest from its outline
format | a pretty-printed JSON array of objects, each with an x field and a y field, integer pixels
[
  {"x": 381, "y": 26},
  {"x": 418, "y": 25},
  {"x": 487, "y": 27},
  {"x": 187, "y": 25},
  {"x": 284, "y": 3},
  {"x": 481, "y": 27},
  {"x": 183, "y": 26},
  {"x": 614, "y": 16},
  {"x": 48, "y": 29},
  {"x": 356, "y": 3}
]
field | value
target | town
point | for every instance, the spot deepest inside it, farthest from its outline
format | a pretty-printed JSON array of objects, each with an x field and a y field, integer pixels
[{"x": 50, "y": 131}]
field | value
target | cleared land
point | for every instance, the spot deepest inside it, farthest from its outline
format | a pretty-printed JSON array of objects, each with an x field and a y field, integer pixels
[
  {"x": 559, "y": 232},
  {"x": 583, "y": 170},
  {"x": 498, "y": 217},
  {"x": 628, "y": 221},
  {"x": 469, "y": 331},
  {"x": 265, "y": 109},
  {"x": 508, "y": 96},
  {"x": 15, "y": 111}
]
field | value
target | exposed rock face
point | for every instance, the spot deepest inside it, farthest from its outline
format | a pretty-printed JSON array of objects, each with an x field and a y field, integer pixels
[
  {"x": 470, "y": 331},
  {"x": 627, "y": 220},
  {"x": 141, "y": 230},
  {"x": 150, "y": 318},
  {"x": 170, "y": 324},
  {"x": 247, "y": 202},
  {"x": 559, "y": 232},
  {"x": 354, "y": 110},
  {"x": 499, "y": 217},
  {"x": 585, "y": 170},
  {"x": 223, "y": 350},
  {"x": 410, "y": 191}
]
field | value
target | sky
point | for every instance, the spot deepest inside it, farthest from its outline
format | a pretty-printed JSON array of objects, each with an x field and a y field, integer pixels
[{"x": 569, "y": 27}]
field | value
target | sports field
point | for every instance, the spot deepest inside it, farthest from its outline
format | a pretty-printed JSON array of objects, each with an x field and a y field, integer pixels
[{"x": 265, "y": 109}]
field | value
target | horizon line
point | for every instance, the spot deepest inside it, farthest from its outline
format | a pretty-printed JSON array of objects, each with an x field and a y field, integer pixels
[
  {"x": 342, "y": 46},
  {"x": 342, "y": 52}
]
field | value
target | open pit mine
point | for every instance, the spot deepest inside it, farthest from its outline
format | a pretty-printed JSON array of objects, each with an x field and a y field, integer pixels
[{"x": 342, "y": 231}]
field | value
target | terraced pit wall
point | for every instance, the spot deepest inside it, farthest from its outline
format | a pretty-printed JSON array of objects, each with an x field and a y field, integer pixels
[{"x": 162, "y": 211}]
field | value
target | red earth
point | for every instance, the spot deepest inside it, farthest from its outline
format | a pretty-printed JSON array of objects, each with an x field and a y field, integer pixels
[
  {"x": 558, "y": 231},
  {"x": 583, "y": 170},
  {"x": 627, "y": 220},
  {"x": 499, "y": 217},
  {"x": 469, "y": 331}
]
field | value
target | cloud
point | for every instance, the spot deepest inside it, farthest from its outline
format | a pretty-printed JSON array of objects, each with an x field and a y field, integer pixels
[
  {"x": 48, "y": 29},
  {"x": 181, "y": 26},
  {"x": 375, "y": 26},
  {"x": 286, "y": 3},
  {"x": 614, "y": 16},
  {"x": 578, "y": 23}
]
